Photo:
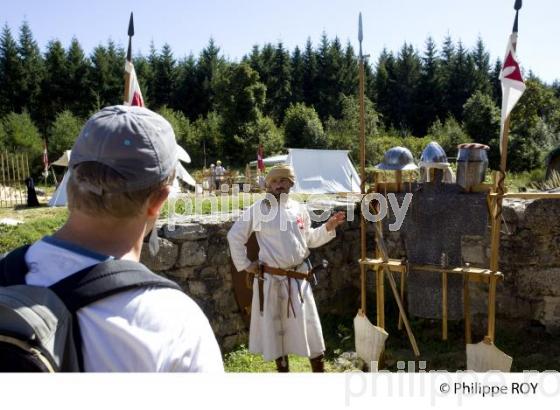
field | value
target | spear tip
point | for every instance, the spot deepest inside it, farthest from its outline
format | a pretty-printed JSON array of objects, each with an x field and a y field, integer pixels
[
  {"x": 360, "y": 30},
  {"x": 131, "y": 26},
  {"x": 517, "y": 6}
]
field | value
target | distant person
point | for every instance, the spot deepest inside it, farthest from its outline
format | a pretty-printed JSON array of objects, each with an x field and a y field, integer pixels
[
  {"x": 31, "y": 193},
  {"x": 220, "y": 172},
  {"x": 212, "y": 177},
  {"x": 284, "y": 317},
  {"x": 122, "y": 167}
]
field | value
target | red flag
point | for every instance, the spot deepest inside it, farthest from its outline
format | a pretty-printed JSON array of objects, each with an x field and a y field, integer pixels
[
  {"x": 45, "y": 157},
  {"x": 512, "y": 83},
  {"x": 133, "y": 95},
  {"x": 260, "y": 159}
]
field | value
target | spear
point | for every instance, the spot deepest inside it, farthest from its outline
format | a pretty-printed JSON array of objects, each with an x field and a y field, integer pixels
[
  {"x": 128, "y": 59},
  {"x": 130, "y": 35},
  {"x": 362, "y": 161},
  {"x": 500, "y": 182}
]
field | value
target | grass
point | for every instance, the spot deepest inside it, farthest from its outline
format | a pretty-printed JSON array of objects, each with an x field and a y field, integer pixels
[
  {"x": 538, "y": 350},
  {"x": 241, "y": 360},
  {"x": 37, "y": 222}
]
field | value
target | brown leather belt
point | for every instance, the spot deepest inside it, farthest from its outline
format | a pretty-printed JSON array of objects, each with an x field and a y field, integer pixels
[
  {"x": 286, "y": 272},
  {"x": 291, "y": 274}
]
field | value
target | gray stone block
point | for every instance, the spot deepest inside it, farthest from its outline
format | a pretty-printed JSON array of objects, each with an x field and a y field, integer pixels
[
  {"x": 193, "y": 253},
  {"x": 164, "y": 259},
  {"x": 185, "y": 232}
]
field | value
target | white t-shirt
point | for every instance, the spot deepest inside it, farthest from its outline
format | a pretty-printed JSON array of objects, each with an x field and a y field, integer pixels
[{"x": 141, "y": 330}]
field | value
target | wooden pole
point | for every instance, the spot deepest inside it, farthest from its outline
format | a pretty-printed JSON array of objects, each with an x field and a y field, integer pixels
[
  {"x": 403, "y": 276},
  {"x": 467, "y": 309},
  {"x": 385, "y": 256},
  {"x": 444, "y": 306},
  {"x": 496, "y": 217},
  {"x": 363, "y": 240},
  {"x": 3, "y": 178},
  {"x": 398, "y": 180}
]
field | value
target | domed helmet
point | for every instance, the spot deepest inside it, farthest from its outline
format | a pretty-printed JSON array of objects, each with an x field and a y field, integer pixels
[
  {"x": 398, "y": 159},
  {"x": 433, "y": 156}
]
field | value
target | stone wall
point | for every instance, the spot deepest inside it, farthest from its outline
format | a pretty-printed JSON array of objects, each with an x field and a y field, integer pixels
[{"x": 196, "y": 255}]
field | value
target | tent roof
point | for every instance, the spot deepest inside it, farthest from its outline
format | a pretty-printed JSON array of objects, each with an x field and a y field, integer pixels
[
  {"x": 270, "y": 161},
  {"x": 63, "y": 160},
  {"x": 321, "y": 171}
]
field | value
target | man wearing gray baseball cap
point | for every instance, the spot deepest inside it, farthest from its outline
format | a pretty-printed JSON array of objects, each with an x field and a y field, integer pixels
[{"x": 121, "y": 169}]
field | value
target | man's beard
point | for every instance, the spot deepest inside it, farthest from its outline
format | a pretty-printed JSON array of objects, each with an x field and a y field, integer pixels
[{"x": 276, "y": 193}]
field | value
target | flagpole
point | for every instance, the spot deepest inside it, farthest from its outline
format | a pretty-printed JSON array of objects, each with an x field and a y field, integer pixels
[
  {"x": 128, "y": 58},
  {"x": 497, "y": 208}
]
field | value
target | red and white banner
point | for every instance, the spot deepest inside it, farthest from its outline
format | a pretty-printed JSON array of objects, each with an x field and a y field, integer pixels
[
  {"x": 513, "y": 85},
  {"x": 260, "y": 158},
  {"x": 45, "y": 158},
  {"x": 134, "y": 94}
]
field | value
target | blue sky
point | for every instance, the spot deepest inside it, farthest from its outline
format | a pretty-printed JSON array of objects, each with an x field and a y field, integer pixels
[{"x": 237, "y": 25}]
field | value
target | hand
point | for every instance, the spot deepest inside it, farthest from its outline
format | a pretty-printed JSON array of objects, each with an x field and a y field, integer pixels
[
  {"x": 253, "y": 268},
  {"x": 335, "y": 220}
]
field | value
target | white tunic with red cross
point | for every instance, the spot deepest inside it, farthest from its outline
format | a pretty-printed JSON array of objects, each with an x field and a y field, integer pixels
[{"x": 284, "y": 234}]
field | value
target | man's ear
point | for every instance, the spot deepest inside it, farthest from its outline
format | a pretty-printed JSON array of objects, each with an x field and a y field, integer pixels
[{"x": 157, "y": 200}]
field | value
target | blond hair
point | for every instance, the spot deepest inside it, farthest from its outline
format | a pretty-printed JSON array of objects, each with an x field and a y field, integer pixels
[{"x": 107, "y": 202}]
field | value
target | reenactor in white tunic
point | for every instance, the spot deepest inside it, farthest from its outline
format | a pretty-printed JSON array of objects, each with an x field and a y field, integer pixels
[{"x": 284, "y": 317}]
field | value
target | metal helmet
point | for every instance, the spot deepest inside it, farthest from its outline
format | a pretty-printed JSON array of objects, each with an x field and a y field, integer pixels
[
  {"x": 433, "y": 156},
  {"x": 398, "y": 159}
]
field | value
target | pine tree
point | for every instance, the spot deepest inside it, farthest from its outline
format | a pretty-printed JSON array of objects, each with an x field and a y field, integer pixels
[
  {"x": 429, "y": 98},
  {"x": 53, "y": 88},
  {"x": 462, "y": 82},
  {"x": 183, "y": 98},
  {"x": 164, "y": 78},
  {"x": 384, "y": 79},
  {"x": 79, "y": 96},
  {"x": 240, "y": 98},
  {"x": 330, "y": 61},
  {"x": 115, "y": 87},
  {"x": 11, "y": 74},
  {"x": 349, "y": 77},
  {"x": 481, "y": 59},
  {"x": 407, "y": 69},
  {"x": 33, "y": 71},
  {"x": 496, "y": 83},
  {"x": 208, "y": 67},
  {"x": 278, "y": 90},
  {"x": 298, "y": 74},
  {"x": 310, "y": 74}
]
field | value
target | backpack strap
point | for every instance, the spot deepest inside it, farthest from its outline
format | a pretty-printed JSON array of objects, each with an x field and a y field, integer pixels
[
  {"x": 13, "y": 267},
  {"x": 106, "y": 279}
]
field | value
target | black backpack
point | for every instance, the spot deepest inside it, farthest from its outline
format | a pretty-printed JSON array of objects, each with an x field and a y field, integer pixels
[{"x": 39, "y": 330}]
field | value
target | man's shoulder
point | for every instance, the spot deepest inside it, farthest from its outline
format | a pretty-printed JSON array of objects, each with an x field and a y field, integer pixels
[{"x": 166, "y": 307}]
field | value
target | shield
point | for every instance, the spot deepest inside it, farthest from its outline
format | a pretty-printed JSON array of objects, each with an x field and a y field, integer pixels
[
  {"x": 242, "y": 286},
  {"x": 370, "y": 341},
  {"x": 483, "y": 357}
]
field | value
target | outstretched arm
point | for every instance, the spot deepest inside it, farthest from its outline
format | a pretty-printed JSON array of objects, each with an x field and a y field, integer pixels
[{"x": 319, "y": 236}]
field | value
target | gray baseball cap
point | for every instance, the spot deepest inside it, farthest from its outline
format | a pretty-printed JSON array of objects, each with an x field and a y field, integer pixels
[{"x": 135, "y": 142}]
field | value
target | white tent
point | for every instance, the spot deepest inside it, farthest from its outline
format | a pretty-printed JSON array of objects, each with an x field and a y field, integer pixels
[
  {"x": 59, "y": 197},
  {"x": 321, "y": 171}
]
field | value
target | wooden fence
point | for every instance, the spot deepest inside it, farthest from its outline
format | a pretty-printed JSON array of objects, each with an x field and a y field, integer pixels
[{"x": 14, "y": 169}]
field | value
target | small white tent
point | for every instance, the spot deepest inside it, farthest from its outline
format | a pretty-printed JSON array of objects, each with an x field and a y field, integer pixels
[
  {"x": 59, "y": 197},
  {"x": 321, "y": 171}
]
